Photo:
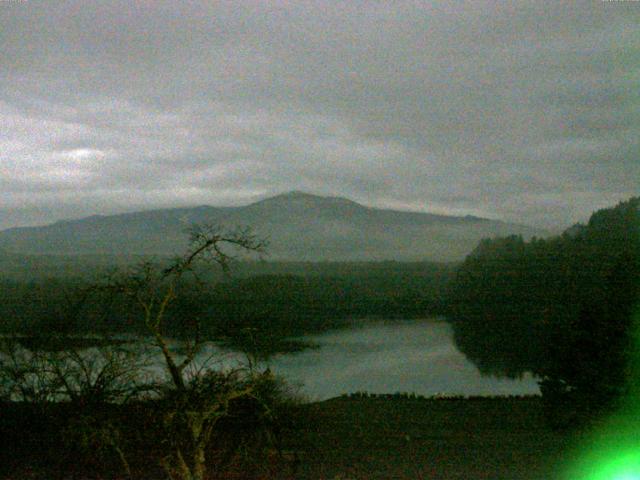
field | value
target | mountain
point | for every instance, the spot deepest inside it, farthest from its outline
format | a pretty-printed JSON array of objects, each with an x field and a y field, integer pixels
[{"x": 299, "y": 226}]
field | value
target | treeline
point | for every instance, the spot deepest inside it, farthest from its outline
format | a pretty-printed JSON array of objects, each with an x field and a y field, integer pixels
[
  {"x": 561, "y": 308},
  {"x": 274, "y": 301}
]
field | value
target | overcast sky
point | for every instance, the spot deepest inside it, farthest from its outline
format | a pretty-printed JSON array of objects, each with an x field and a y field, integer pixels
[{"x": 524, "y": 111}]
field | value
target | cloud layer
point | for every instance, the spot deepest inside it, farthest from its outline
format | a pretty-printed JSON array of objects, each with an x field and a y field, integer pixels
[{"x": 525, "y": 111}]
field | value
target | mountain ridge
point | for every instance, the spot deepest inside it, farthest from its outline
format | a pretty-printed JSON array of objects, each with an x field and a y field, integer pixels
[{"x": 299, "y": 225}]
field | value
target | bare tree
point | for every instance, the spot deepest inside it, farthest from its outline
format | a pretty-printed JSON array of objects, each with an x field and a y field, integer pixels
[
  {"x": 193, "y": 405},
  {"x": 188, "y": 407},
  {"x": 154, "y": 288}
]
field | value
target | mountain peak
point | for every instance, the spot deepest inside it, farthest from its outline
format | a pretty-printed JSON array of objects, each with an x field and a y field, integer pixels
[
  {"x": 296, "y": 194},
  {"x": 299, "y": 195}
]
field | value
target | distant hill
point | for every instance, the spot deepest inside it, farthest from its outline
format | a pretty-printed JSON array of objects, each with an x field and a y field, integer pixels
[{"x": 299, "y": 226}]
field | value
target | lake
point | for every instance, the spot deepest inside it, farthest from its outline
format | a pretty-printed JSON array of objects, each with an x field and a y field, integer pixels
[
  {"x": 375, "y": 356},
  {"x": 391, "y": 356}
]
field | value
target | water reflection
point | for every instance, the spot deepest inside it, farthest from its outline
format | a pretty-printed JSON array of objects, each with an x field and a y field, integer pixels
[
  {"x": 387, "y": 357},
  {"x": 374, "y": 356}
]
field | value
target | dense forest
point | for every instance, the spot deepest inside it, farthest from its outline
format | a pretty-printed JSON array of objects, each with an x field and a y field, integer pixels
[{"x": 561, "y": 308}]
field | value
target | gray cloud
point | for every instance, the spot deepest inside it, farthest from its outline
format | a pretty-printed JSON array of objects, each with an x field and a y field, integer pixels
[{"x": 525, "y": 111}]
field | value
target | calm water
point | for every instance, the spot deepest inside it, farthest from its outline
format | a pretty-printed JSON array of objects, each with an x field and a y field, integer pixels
[
  {"x": 373, "y": 356},
  {"x": 387, "y": 357}
]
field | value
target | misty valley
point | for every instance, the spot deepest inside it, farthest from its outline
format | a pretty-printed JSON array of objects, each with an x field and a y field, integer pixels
[{"x": 217, "y": 361}]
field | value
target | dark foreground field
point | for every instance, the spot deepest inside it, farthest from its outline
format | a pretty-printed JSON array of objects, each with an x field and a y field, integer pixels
[
  {"x": 377, "y": 438},
  {"x": 392, "y": 438}
]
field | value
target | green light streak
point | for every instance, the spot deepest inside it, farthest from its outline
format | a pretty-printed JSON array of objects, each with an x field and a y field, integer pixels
[
  {"x": 612, "y": 451},
  {"x": 611, "y": 465}
]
